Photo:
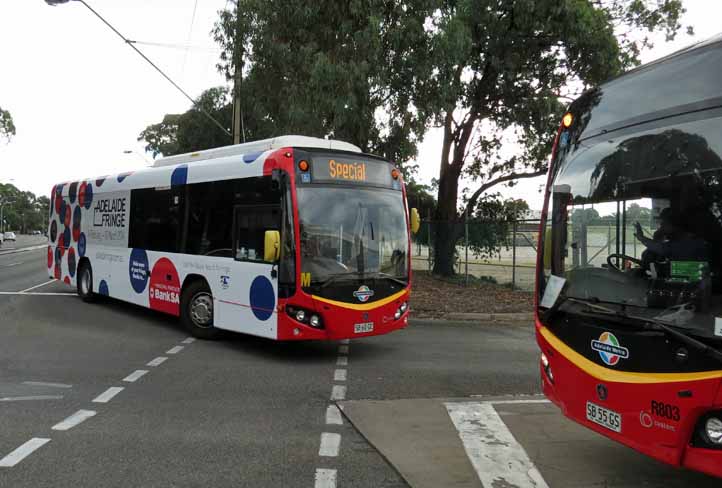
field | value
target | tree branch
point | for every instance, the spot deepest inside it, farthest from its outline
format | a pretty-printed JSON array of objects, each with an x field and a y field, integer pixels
[{"x": 511, "y": 176}]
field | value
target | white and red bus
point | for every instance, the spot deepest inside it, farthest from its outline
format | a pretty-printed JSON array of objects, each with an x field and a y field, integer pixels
[{"x": 291, "y": 238}]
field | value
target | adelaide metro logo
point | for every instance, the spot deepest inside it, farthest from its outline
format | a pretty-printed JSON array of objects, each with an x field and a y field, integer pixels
[
  {"x": 609, "y": 349},
  {"x": 363, "y": 293}
]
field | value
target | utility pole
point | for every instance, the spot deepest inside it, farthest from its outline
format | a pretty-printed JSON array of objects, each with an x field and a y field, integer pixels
[{"x": 238, "y": 131}]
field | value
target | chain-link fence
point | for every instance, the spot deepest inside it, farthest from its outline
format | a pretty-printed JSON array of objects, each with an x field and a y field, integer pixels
[{"x": 501, "y": 252}]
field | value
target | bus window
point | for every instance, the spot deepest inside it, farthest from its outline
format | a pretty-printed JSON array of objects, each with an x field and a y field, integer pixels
[
  {"x": 251, "y": 223},
  {"x": 155, "y": 217}
]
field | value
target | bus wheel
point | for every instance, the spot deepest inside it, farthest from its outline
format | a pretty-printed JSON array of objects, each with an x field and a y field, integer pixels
[
  {"x": 197, "y": 310},
  {"x": 85, "y": 283}
]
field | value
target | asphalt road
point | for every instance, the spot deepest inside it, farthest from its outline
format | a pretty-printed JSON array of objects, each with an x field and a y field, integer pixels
[{"x": 236, "y": 412}]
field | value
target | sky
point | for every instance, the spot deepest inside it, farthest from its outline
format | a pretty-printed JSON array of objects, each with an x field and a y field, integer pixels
[{"x": 79, "y": 96}]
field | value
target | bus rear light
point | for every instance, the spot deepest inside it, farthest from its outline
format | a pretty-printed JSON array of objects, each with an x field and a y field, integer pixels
[{"x": 303, "y": 165}]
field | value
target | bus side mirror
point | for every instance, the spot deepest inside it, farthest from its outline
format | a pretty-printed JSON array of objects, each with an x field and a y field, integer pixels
[
  {"x": 415, "y": 220},
  {"x": 271, "y": 246}
]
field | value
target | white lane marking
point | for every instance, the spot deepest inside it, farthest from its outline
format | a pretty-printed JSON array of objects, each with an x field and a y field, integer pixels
[
  {"x": 40, "y": 293},
  {"x": 27, "y": 398},
  {"x": 333, "y": 415},
  {"x": 75, "y": 419},
  {"x": 50, "y": 385},
  {"x": 174, "y": 350},
  {"x": 344, "y": 341},
  {"x": 37, "y": 286},
  {"x": 22, "y": 452},
  {"x": 339, "y": 375},
  {"x": 132, "y": 377},
  {"x": 343, "y": 349},
  {"x": 494, "y": 452},
  {"x": 12, "y": 264},
  {"x": 342, "y": 361},
  {"x": 338, "y": 392},
  {"x": 157, "y": 361},
  {"x": 108, "y": 394},
  {"x": 517, "y": 402},
  {"x": 325, "y": 478},
  {"x": 189, "y": 340},
  {"x": 330, "y": 444}
]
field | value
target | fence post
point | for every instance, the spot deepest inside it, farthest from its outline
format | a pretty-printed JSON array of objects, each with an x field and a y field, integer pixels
[
  {"x": 428, "y": 244},
  {"x": 466, "y": 245},
  {"x": 513, "y": 256}
]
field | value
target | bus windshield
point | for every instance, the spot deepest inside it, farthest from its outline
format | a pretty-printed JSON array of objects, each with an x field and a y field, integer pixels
[
  {"x": 636, "y": 223},
  {"x": 352, "y": 233}
]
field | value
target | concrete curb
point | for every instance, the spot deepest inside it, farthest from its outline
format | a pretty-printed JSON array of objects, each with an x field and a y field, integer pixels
[
  {"x": 467, "y": 318},
  {"x": 23, "y": 249}
]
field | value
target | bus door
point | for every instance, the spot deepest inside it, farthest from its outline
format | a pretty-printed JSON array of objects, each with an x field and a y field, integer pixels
[{"x": 247, "y": 295}]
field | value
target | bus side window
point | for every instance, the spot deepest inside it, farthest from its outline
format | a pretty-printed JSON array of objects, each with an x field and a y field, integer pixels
[{"x": 250, "y": 225}]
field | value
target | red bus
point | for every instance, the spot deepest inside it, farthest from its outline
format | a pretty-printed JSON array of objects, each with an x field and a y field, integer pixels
[{"x": 629, "y": 268}]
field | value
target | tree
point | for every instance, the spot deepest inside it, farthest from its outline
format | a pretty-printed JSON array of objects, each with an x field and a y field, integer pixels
[
  {"x": 329, "y": 68},
  {"x": 496, "y": 73},
  {"x": 22, "y": 210},
  {"x": 7, "y": 127},
  {"x": 192, "y": 130}
]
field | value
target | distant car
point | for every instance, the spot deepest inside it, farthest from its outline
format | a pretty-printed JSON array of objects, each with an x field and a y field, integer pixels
[
  {"x": 10, "y": 236},
  {"x": 35, "y": 233}
]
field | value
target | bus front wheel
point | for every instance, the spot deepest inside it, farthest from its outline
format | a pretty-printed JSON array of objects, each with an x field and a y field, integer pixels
[
  {"x": 197, "y": 310},
  {"x": 85, "y": 282}
]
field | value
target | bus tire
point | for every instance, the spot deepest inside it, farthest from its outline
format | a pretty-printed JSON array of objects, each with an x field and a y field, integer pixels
[
  {"x": 197, "y": 310},
  {"x": 85, "y": 282}
]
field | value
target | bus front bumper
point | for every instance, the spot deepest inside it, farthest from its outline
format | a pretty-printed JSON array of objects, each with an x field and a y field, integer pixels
[{"x": 660, "y": 415}]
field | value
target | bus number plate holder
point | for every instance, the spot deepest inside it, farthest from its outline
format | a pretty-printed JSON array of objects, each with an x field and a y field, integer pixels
[
  {"x": 604, "y": 417},
  {"x": 363, "y": 327}
]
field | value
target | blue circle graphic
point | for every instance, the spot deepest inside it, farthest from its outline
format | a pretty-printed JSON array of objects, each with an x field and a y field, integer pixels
[
  {"x": 249, "y": 158},
  {"x": 88, "y": 196},
  {"x": 66, "y": 237},
  {"x": 73, "y": 191},
  {"x": 138, "y": 270},
  {"x": 81, "y": 244},
  {"x": 103, "y": 288},
  {"x": 122, "y": 176},
  {"x": 263, "y": 298},
  {"x": 179, "y": 176}
]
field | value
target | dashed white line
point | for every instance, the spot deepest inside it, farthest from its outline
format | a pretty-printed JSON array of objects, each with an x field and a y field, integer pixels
[
  {"x": 333, "y": 415},
  {"x": 132, "y": 377},
  {"x": 495, "y": 454},
  {"x": 325, "y": 478},
  {"x": 338, "y": 392},
  {"x": 40, "y": 293},
  {"x": 75, "y": 419},
  {"x": 22, "y": 452},
  {"x": 330, "y": 444},
  {"x": 343, "y": 349},
  {"x": 10, "y": 265},
  {"x": 189, "y": 340},
  {"x": 37, "y": 286},
  {"x": 28, "y": 398},
  {"x": 50, "y": 385},
  {"x": 342, "y": 361},
  {"x": 339, "y": 375},
  {"x": 174, "y": 350},
  {"x": 108, "y": 394},
  {"x": 157, "y": 361}
]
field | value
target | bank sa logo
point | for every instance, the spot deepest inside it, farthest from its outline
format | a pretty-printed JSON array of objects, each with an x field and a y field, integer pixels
[
  {"x": 609, "y": 349},
  {"x": 363, "y": 293}
]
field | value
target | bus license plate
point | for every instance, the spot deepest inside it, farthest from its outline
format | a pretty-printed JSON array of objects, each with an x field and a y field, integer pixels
[
  {"x": 363, "y": 327},
  {"x": 606, "y": 418}
]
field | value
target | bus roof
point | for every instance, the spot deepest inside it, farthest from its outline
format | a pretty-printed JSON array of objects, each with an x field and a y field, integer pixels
[{"x": 257, "y": 146}]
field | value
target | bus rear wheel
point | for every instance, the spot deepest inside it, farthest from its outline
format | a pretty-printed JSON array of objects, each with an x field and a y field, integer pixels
[
  {"x": 85, "y": 282},
  {"x": 197, "y": 310}
]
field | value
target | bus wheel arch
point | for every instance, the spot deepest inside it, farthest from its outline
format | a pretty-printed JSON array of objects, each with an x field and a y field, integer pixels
[
  {"x": 85, "y": 280},
  {"x": 196, "y": 307}
]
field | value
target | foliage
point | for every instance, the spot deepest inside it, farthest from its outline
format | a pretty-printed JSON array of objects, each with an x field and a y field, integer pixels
[
  {"x": 192, "y": 130},
  {"x": 491, "y": 223},
  {"x": 497, "y": 72},
  {"x": 22, "y": 210},
  {"x": 7, "y": 127}
]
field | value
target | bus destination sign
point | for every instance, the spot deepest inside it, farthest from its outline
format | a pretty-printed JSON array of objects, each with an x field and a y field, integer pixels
[{"x": 334, "y": 169}]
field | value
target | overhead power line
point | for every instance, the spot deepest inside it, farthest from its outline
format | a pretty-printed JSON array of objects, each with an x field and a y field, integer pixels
[{"x": 131, "y": 44}]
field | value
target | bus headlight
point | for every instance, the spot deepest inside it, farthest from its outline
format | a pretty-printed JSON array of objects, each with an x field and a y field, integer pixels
[
  {"x": 398, "y": 314},
  {"x": 713, "y": 430},
  {"x": 301, "y": 315},
  {"x": 547, "y": 367},
  {"x": 403, "y": 307},
  {"x": 315, "y": 321}
]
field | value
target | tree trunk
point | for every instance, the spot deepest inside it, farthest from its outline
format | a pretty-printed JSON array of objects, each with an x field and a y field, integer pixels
[{"x": 446, "y": 231}]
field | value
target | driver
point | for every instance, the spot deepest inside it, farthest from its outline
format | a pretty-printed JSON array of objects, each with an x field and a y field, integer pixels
[{"x": 671, "y": 241}]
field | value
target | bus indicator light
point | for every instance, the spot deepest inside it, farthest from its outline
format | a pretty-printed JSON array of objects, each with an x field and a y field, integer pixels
[
  {"x": 567, "y": 119},
  {"x": 395, "y": 174},
  {"x": 303, "y": 165}
]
